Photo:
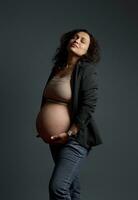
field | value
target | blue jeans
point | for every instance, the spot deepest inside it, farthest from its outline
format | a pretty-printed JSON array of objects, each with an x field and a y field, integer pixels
[{"x": 64, "y": 183}]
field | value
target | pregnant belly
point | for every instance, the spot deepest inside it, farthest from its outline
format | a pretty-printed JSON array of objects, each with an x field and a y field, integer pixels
[{"x": 52, "y": 119}]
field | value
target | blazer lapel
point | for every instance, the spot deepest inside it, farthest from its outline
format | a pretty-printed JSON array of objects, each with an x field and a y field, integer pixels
[{"x": 75, "y": 84}]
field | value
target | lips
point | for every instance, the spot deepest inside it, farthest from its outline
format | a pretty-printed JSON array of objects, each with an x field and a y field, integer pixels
[{"x": 74, "y": 45}]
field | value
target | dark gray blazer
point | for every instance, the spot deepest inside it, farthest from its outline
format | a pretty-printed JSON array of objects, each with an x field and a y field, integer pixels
[{"x": 84, "y": 88}]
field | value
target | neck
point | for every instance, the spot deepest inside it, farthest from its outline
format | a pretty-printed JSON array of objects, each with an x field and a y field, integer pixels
[{"x": 72, "y": 60}]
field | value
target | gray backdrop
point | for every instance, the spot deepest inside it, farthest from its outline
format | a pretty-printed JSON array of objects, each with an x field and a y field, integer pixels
[{"x": 30, "y": 34}]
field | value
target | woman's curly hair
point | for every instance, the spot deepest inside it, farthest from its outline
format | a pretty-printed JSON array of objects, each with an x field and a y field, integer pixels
[{"x": 60, "y": 57}]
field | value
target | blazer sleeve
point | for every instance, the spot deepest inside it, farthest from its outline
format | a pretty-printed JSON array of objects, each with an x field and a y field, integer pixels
[{"x": 88, "y": 97}]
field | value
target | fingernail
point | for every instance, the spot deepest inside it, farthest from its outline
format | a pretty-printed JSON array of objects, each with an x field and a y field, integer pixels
[{"x": 52, "y": 137}]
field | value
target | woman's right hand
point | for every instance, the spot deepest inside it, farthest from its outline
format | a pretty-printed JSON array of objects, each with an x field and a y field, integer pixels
[{"x": 60, "y": 138}]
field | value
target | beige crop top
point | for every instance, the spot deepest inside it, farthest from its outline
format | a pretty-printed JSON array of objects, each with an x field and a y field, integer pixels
[{"x": 58, "y": 88}]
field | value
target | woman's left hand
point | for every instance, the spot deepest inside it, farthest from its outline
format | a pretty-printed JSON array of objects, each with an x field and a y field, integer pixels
[{"x": 60, "y": 138}]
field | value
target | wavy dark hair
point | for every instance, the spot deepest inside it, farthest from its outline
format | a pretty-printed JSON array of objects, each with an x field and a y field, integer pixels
[{"x": 60, "y": 57}]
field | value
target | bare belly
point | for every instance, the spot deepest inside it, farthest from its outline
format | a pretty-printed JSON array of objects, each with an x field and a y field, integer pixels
[{"x": 53, "y": 119}]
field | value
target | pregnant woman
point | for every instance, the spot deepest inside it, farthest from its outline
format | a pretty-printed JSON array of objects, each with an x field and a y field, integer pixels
[{"x": 65, "y": 120}]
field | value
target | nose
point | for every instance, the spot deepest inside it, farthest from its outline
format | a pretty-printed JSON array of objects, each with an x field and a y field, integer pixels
[{"x": 77, "y": 40}]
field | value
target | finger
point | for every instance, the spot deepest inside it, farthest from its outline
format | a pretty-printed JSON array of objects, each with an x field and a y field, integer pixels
[{"x": 54, "y": 137}]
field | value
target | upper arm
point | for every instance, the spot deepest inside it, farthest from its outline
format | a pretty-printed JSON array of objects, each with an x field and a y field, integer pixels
[{"x": 89, "y": 88}]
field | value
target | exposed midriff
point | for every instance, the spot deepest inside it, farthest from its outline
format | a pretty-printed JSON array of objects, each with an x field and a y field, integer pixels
[{"x": 54, "y": 117}]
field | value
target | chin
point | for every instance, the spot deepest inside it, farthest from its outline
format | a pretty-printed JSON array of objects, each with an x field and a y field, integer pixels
[{"x": 72, "y": 50}]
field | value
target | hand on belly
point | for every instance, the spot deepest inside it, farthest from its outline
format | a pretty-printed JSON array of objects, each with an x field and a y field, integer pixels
[{"x": 52, "y": 120}]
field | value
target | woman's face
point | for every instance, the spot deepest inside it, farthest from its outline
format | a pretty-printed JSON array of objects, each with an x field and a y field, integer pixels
[{"x": 79, "y": 43}]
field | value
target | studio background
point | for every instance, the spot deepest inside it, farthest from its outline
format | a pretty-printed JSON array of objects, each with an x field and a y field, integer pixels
[{"x": 30, "y": 32}]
